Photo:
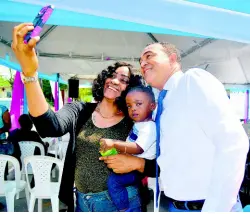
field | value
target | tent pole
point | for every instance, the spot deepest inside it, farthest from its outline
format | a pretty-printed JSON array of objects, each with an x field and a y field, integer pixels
[
  {"x": 25, "y": 103},
  {"x": 247, "y": 106}
]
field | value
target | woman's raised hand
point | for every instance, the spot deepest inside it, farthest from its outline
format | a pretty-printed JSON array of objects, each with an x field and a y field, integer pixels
[{"x": 25, "y": 53}]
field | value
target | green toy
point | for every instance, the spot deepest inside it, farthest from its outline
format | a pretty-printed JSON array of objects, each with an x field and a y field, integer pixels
[{"x": 109, "y": 152}]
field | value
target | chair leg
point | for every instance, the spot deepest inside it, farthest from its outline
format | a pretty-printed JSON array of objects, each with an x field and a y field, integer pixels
[
  {"x": 22, "y": 178},
  {"x": 55, "y": 203},
  {"x": 32, "y": 203},
  {"x": 40, "y": 204},
  {"x": 10, "y": 197},
  {"x": 27, "y": 194}
]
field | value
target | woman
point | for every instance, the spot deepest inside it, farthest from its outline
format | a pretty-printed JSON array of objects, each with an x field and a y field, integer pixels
[{"x": 86, "y": 123}]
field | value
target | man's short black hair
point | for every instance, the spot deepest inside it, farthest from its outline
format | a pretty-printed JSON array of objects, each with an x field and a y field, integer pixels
[{"x": 25, "y": 122}]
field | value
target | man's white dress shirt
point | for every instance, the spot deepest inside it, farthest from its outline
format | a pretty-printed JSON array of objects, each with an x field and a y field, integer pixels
[{"x": 203, "y": 144}]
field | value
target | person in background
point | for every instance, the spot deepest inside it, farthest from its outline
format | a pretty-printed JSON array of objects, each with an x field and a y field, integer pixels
[
  {"x": 5, "y": 122},
  {"x": 24, "y": 133}
]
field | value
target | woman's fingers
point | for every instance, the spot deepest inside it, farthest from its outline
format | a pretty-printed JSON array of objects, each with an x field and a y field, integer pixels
[
  {"x": 25, "y": 53},
  {"x": 22, "y": 32},
  {"x": 102, "y": 146},
  {"x": 108, "y": 159},
  {"x": 33, "y": 41},
  {"x": 16, "y": 32},
  {"x": 114, "y": 162}
]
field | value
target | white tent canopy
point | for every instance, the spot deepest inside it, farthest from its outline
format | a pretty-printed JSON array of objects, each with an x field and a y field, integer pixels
[{"x": 83, "y": 51}]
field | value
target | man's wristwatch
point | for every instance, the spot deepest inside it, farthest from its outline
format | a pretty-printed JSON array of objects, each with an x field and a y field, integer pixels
[{"x": 29, "y": 79}]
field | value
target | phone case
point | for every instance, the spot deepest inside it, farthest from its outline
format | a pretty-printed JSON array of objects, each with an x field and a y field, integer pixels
[{"x": 39, "y": 22}]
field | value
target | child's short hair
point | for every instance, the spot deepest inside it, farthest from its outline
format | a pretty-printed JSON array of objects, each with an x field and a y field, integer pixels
[{"x": 145, "y": 89}]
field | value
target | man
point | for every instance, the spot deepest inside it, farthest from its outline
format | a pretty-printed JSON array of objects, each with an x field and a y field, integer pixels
[
  {"x": 24, "y": 133},
  {"x": 5, "y": 122},
  {"x": 203, "y": 145}
]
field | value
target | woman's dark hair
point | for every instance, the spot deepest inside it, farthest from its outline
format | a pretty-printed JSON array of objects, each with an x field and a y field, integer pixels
[
  {"x": 99, "y": 82},
  {"x": 25, "y": 122}
]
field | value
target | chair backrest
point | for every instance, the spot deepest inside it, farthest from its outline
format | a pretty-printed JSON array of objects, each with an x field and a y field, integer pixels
[
  {"x": 28, "y": 148},
  {"x": 3, "y": 162},
  {"x": 42, "y": 166}
]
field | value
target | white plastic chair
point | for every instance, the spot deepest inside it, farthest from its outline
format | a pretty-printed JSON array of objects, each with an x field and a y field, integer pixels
[
  {"x": 27, "y": 149},
  {"x": 152, "y": 185},
  {"x": 44, "y": 188},
  {"x": 10, "y": 188}
]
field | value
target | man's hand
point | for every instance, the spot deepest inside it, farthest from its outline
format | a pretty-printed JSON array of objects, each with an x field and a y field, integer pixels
[
  {"x": 106, "y": 144},
  {"x": 124, "y": 163}
]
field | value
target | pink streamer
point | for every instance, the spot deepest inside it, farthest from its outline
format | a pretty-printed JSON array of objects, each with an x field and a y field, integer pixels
[{"x": 17, "y": 101}]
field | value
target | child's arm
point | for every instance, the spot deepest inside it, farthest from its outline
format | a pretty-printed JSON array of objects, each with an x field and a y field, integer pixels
[{"x": 121, "y": 146}]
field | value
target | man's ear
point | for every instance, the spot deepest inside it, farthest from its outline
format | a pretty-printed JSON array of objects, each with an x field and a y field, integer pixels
[
  {"x": 152, "y": 106},
  {"x": 173, "y": 58}
]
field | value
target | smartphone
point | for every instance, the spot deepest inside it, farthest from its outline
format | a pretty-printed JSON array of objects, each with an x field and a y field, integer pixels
[{"x": 39, "y": 22}]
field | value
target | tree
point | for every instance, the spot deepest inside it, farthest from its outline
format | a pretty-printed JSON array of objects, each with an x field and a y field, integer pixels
[
  {"x": 11, "y": 78},
  {"x": 47, "y": 92},
  {"x": 7, "y": 81},
  {"x": 4, "y": 82},
  {"x": 85, "y": 94},
  {"x": 63, "y": 86}
]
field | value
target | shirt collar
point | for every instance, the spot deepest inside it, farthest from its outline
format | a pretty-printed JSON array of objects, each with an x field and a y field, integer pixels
[{"x": 173, "y": 80}]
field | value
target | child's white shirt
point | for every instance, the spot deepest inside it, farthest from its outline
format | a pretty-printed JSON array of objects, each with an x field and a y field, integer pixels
[{"x": 144, "y": 135}]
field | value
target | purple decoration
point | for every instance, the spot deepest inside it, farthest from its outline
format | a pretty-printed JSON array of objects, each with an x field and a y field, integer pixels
[
  {"x": 107, "y": 58},
  {"x": 69, "y": 100},
  {"x": 56, "y": 96},
  {"x": 17, "y": 101}
]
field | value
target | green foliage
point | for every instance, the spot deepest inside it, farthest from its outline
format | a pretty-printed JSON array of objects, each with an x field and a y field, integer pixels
[
  {"x": 4, "y": 82},
  {"x": 12, "y": 76},
  {"x": 47, "y": 92},
  {"x": 85, "y": 94},
  {"x": 63, "y": 86}
]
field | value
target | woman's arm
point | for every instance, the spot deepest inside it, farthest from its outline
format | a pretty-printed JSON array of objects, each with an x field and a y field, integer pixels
[
  {"x": 48, "y": 123},
  {"x": 124, "y": 163},
  {"x": 121, "y": 146},
  {"x": 26, "y": 56},
  {"x": 56, "y": 124}
]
